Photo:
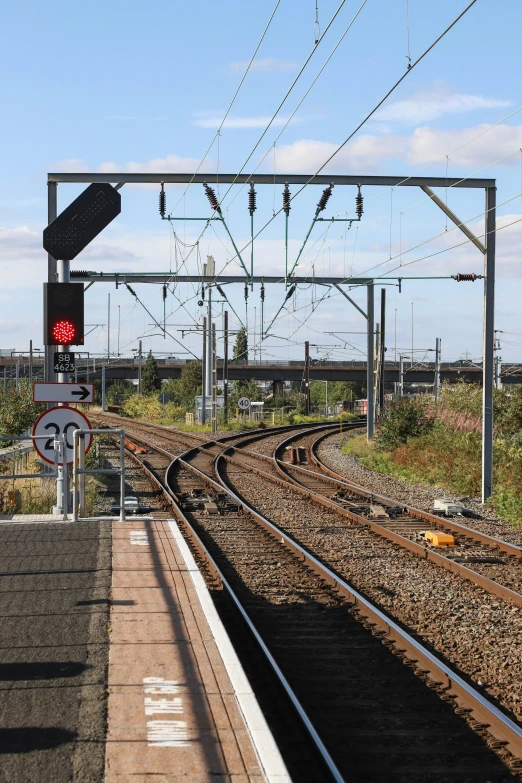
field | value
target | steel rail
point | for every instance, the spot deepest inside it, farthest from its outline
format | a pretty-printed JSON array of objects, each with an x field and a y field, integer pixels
[
  {"x": 499, "y": 725},
  {"x": 223, "y": 583},
  {"x": 504, "y": 546},
  {"x": 418, "y": 549}
]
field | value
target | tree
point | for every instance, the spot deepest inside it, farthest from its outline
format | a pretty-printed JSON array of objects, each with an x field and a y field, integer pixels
[
  {"x": 183, "y": 390},
  {"x": 241, "y": 345},
  {"x": 18, "y": 412},
  {"x": 248, "y": 389},
  {"x": 150, "y": 380}
]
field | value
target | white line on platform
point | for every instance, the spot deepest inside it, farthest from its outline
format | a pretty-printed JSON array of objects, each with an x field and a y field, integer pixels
[{"x": 270, "y": 759}]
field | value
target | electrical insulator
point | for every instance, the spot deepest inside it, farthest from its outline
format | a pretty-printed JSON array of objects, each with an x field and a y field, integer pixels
[
  {"x": 246, "y": 290},
  {"x": 291, "y": 292},
  {"x": 202, "y": 291},
  {"x": 465, "y": 278},
  {"x": 214, "y": 203},
  {"x": 262, "y": 292},
  {"x": 162, "y": 202},
  {"x": 221, "y": 292},
  {"x": 252, "y": 195},
  {"x": 323, "y": 201},
  {"x": 130, "y": 289},
  {"x": 359, "y": 203},
  {"x": 164, "y": 292},
  {"x": 286, "y": 199}
]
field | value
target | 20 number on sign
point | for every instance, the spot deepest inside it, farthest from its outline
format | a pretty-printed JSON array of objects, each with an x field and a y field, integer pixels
[{"x": 60, "y": 421}]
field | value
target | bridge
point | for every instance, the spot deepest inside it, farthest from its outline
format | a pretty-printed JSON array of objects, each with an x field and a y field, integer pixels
[{"x": 127, "y": 368}]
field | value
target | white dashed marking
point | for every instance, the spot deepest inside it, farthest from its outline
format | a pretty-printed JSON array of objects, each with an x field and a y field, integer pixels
[{"x": 139, "y": 537}]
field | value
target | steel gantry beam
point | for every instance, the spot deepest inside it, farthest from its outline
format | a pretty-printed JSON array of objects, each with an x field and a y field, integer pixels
[
  {"x": 271, "y": 179},
  {"x": 425, "y": 183}
]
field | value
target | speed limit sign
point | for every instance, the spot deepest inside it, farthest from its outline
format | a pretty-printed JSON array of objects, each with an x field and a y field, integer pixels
[
  {"x": 243, "y": 403},
  {"x": 60, "y": 421}
]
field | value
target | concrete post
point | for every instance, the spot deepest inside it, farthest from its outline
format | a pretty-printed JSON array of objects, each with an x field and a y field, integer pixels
[
  {"x": 489, "y": 345},
  {"x": 307, "y": 378},
  {"x": 370, "y": 416},
  {"x": 382, "y": 362},
  {"x": 401, "y": 376}
]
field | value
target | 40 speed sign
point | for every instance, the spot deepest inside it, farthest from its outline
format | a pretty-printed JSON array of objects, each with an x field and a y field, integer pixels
[
  {"x": 59, "y": 421},
  {"x": 243, "y": 403}
]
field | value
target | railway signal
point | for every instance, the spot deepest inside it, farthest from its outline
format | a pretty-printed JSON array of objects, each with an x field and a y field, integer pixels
[
  {"x": 82, "y": 221},
  {"x": 63, "y": 314}
]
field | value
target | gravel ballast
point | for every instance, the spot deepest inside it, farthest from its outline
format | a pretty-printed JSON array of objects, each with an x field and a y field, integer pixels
[{"x": 418, "y": 495}]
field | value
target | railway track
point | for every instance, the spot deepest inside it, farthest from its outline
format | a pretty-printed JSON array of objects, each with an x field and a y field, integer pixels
[{"x": 329, "y": 642}]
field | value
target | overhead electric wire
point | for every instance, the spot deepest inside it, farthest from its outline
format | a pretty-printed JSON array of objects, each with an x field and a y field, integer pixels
[
  {"x": 232, "y": 101},
  {"x": 289, "y": 120},
  {"x": 367, "y": 117},
  {"x": 258, "y": 142}
]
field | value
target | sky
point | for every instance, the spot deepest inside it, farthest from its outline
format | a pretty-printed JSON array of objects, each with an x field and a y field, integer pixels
[{"x": 134, "y": 87}]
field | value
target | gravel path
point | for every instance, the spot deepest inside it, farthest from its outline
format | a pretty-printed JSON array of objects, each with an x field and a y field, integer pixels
[{"x": 418, "y": 495}]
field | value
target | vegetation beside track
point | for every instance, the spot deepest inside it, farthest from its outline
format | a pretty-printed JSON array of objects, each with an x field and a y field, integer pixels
[{"x": 441, "y": 445}]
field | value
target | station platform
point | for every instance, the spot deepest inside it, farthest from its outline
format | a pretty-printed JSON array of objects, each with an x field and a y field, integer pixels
[{"x": 180, "y": 707}]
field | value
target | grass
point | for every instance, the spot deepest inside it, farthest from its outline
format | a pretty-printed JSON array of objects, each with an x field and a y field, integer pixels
[{"x": 453, "y": 460}]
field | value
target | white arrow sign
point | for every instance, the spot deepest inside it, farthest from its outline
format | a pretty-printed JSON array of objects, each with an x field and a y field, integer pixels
[
  {"x": 60, "y": 421},
  {"x": 63, "y": 392}
]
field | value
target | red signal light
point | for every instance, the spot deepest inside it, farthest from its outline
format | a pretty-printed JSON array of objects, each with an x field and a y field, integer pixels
[{"x": 63, "y": 332}]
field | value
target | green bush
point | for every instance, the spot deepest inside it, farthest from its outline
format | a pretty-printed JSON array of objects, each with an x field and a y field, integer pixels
[{"x": 406, "y": 418}]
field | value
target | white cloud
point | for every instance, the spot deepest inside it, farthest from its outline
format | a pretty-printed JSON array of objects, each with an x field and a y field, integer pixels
[
  {"x": 436, "y": 101},
  {"x": 213, "y": 120},
  {"x": 168, "y": 164},
  {"x": 427, "y": 145},
  {"x": 68, "y": 165},
  {"x": 424, "y": 146},
  {"x": 365, "y": 152},
  {"x": 264, "y": 64}
]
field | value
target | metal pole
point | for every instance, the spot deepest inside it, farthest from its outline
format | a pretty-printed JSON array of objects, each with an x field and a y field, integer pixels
[
  {"x": 139, "y": 367},
  {"x": 17, "y": 375},
  {"x": 62, "y": 488},
  {"x": 307, "y": 378},
  {"x": 401, "y": 376},
  {"x": 108, "y": 326},
  {"x": 383, "y": 351},
  {"x": 498, "y": 371},
  {"x": 377, "y": 375},
  {"x": 208, "y": 374},
  {"x": 119, "y": 325},
  {"x": 103, "y": 386},
  {"x": 30, "y": 361},
  {"x": 5, "y": 379},
  {"x": 225, "y": 366},
  {"x": 81, "y": 444},
  {"x": 326, "y": 399},
  {"x": 436, "y": 383},
  {"x": 122, "y": 476},
  {"x": 370, "y": 417},
  {"x": 52, "y": 213},
  {"x": 489, "y": 344},
  {"x": 214, "y": 380},
  {"x": 204, "y": 373}
]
